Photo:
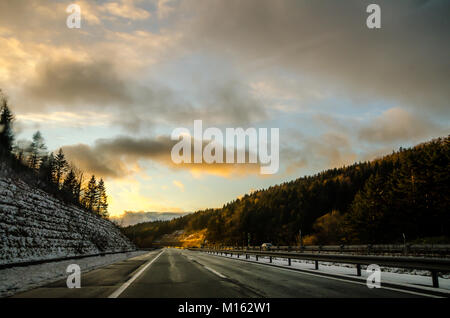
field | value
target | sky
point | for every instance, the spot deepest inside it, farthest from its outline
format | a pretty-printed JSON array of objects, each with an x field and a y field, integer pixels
[{"x": 111, "y": 92}]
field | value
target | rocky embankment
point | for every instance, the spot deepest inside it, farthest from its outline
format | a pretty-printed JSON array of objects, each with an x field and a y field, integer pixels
[{"x": 36, "y": 226}]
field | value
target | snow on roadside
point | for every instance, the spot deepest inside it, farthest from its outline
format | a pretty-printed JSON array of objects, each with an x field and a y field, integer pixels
[
  {"x": 394, "y": 275},
  {"x": 19, "y": 279}
]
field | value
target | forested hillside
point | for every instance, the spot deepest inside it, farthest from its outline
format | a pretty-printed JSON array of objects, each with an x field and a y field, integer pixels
[
  {"x": 47, "y": 211},
  {"x": 30, "y": 161},
  {"x": 404, "y": 193}
]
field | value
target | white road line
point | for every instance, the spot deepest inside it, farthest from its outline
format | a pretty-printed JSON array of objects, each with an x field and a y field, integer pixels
[
  {"x": 208, "y": 268},
  {"x": 121, "y": 289},
  {"x": 215, "y": 272},
  {"x": 338, "y": 279}
]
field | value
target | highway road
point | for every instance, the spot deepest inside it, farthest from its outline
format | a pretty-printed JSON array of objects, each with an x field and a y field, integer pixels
[{"x": 176, "y": 273}]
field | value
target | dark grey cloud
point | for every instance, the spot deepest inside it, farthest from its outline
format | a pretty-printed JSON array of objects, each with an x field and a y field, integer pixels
[
  {"x": 87, "y": 159},
  {"x": 112, "y": 158},
  {"x": 97, "y": 84},
  {"x": 301, "y": 153},
  {"x": 109, "y": 157},
  {"x": 78, "y": 83},
  {"x": 398, "y": 125},
  {"x": 328, "y": 43}
]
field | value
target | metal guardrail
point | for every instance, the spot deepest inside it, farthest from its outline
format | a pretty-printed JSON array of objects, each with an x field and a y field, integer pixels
[
  {"x": 403, "y": 249},
  {"x": 52, "y": 260},
  {"x": 434, "y": 265}
]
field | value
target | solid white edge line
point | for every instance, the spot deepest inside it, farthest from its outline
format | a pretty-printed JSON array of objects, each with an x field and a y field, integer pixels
[
  {"x": 334, "y": 278},
  {"x": 206, "y": 267},
  {"x": 215, "y": 272},
  {"x": 125, "y": 285}
]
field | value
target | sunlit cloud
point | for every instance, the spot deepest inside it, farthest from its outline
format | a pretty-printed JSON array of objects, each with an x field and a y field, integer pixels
[
  {"x": 179, "y": 185},
  {"x": 120, "y": 157},
  {"x": 66, "y": 119},
  {"x": 125, "y": 9}
]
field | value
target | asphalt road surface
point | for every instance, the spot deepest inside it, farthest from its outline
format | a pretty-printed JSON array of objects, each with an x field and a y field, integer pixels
[{"x": 176, "y": 273}]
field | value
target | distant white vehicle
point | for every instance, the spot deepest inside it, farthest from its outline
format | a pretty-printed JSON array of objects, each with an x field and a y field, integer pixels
[{"x": 266, "y": 246}]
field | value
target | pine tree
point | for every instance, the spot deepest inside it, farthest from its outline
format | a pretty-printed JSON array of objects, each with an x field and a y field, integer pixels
[
  {"x": 69, "y": 186},
  {"x": 90, "y": 199},
  {"x": 36, "y": 151},
  {"x": 47, "y": 169},
  {"x": 77, "y": 191},
  {"x": 6, "y": 122},
  {"x": 102, "y": 204},
  {"x": 60, "y": 166}
]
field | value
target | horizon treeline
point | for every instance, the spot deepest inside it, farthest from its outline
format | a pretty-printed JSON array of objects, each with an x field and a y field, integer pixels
[
  {"x": 53, "y": 173},
  {"x": 401, "y": 197}
]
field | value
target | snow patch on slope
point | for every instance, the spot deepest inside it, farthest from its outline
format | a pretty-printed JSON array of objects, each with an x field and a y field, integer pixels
[{"x": 36, "y": 226}]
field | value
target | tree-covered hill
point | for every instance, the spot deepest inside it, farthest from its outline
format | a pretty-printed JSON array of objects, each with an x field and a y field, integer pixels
[
  {"x": 404, "y": 193},
  {"x": 31, "y": 162}
]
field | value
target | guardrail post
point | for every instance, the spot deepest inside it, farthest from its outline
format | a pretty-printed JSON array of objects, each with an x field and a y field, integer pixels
[
  {"x": 316, "y": 264},
  {"x": 289, "y": 262},
  {"x": 256, "y": 257},
  {"x": 231, "y": 254},
  {"x": 237, "y": 255},
  {"x": 434, "y": 276},
  {"x": 270, "y": 259},
  {"x": 358, "y": 270}
]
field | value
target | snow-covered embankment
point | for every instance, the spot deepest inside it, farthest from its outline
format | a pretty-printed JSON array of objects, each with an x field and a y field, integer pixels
[{"x": 36, "y": 226}]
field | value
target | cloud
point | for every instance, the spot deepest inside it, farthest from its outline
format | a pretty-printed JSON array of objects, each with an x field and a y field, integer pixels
[
  {"x": 126, "y": 9},
  {"x": 165, "y": 8},
  {"x": 77, "y": 82},
  {"x": 98, "y": 84},
  {"x": 68, "y": 69},
  {"x": 397, "y": 124},
  {"x": 113, "y": 157},
  {"x": 64, "y": 119},
  {"x": 324, "y": 43},
  {"x": 87, "y": 159},
  {"x": 313, "y": 153},
  {"x": 131, "y": 217},
  {"x": 232, "y": 63},
  {"x": 179, "y": 185},
  {"x": 119, "y": 157},
  {"x": 328, "y": 43}
]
